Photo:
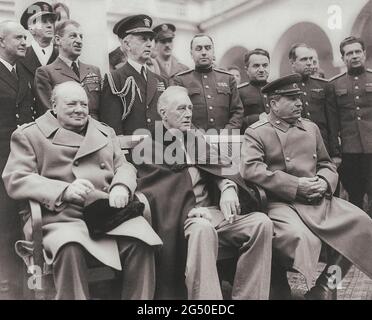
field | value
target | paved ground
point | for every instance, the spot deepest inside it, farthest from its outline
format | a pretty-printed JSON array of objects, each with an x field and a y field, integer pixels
[{"x": 355, "y": 286}]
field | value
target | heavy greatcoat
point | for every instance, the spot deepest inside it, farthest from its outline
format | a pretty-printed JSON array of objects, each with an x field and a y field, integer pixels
[
  {"x": 46, "y": 158},
  {"x": 47, "y": 77},
  {"x": 274, "y": 156}
]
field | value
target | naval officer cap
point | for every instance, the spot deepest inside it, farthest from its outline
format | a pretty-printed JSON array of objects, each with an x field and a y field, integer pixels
[
  {"x": 284, "y": 86},
  {"x": 139, "y": 23},
  {"x": 37, "y": 10},
  {"x": 164, "y": 31}
]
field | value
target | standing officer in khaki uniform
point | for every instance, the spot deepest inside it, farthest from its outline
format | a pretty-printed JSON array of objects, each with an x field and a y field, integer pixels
[
  {"x": 168, "y": 64},
  {"x": 256, "y": 105},
  {"x": 352, "y": 102},
  {"x": 286, "y": 156},
  {"x": 213, "y": 92},
  {"x": 314, "y": 96}
]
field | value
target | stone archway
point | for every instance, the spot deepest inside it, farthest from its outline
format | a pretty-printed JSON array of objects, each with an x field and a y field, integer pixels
[
  {"x": 234, "y": 56},
  {"x": 363, "y": 27},
  {"x": 312, "y": 35}
]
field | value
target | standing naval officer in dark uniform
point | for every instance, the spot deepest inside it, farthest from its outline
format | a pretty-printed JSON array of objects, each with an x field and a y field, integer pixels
[
  {"x": 213, "y": 92},
  {"x": 352, "y": 102},
  {"x": 130, "y": 94},
  {"x": 255, "y": 103},
  {"x": 168, "y": 64},
  {"x": 314, "y": 97}
]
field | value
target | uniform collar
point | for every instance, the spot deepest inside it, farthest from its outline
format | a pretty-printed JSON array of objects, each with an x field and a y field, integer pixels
[
  {"x": 68, "y": 61},
  {"x": 7, "y": 64},
  {"x": 137, "y": 66},
  {"x": 283, "y": 125},
  {"x": 203, "y": 70}
]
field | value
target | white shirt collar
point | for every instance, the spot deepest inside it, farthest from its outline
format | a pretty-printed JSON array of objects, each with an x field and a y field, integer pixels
[
  {"x": 68, "y": 61},
  {"x": 43, "y": 58},
  {"x": 137, "y": 66},
  {"x": 7, "y": 64}
]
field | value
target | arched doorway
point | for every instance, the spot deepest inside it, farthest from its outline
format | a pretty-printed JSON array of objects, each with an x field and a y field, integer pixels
[
  {"x": 312, "y": 35},
  {"x": 234, "y": 56},
  {"x": 362, "y": 28}
]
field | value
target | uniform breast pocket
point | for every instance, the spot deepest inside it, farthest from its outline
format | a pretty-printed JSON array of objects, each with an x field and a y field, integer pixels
[
  {"x": 344, "y": 99},
  {"x": 369, "y": 94},
  {"x": 318, "y": 95},
  {"x": 223, "y": 97},
  {"x": 195, "y": 95},
  {"x": 94, "y": 86}
]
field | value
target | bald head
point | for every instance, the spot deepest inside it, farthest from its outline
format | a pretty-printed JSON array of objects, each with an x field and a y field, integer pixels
[
  {"x": 12, "y": 41},
  {"x": 70, "y": 104}
]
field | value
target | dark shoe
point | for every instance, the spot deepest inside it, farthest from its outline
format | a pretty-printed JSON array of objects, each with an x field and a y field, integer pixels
[{"x": 320, "y": 292}]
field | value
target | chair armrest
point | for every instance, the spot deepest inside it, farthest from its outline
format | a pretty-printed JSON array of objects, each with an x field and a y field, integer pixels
[{"x": 37, "y": 233}]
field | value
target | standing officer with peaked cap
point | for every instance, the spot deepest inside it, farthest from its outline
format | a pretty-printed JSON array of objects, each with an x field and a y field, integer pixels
[
  {"x": 39, "y": 20},
  {"x": 255, "y": 103},
  {"x": 168, "y": 64},
  {"x": 351, "y": 101},
  {"x": 213, "y": 92},
  {"x": 130, "y": 94},
  {"x": 286, "y": 156},
  {"x": 315, "y": 94}
]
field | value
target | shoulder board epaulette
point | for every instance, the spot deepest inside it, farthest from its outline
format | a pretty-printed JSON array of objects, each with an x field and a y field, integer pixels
[
  {"x": 184, "y": 72},
  {"x": 222, "y": 71},
  {"x": 26, "y": 125},
  {"x": 337, "y": 76},
  {"x": 258, "y": 124},
  {"x": 320, "y": 79},
  {"x": 244, "y": 84},
  {"x": 369, "y": 70}
]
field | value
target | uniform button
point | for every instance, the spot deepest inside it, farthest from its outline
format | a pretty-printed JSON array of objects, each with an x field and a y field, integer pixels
[
  {"x": 305, "y": 94},
  {"x": 267, "y": 105},
  {"x": 105, "y": 189},
  {"x": 265, "y": 96},
  {"x": 102, "y": 165},
  {"x": 32, "y": 108},
  {"x": 303, "y": 84},
  {"x": 205, "y": 76},
  {"x": 288, "y": 159},
  {"x": 314, "y": 156},
  {"x": 148, "y": 120},
  {"x": 277, "y": 122},
  {"x": 17, "y": 105},
  {"x": 306, "y": 103},
  {"x": 356, "y": 78},
  {"x": 33, "y": 118},
  {"x": 18, "y": 125},
  {"x": 208, "y": 96},
  {"x": 308, "y": 114},
  {"x": 359, "y": 118},
  {"x": 207, "y": 87},
  {"x": 358, "y": 108},
  {"x": 210, "y": 108},
  {"x": 147, "y": 107},
  {"x": 34, "y": 112},
  {"x": 17, "y": 115},
  {"x": 76, "y": 163},
  {"x": 357, "y": 97},
  {"x": 211, "y": 120},
  {"x": 356, "y": 87}
]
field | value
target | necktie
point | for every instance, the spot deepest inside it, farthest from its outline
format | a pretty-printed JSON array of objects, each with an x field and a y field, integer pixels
[
  {"x": 75, "y": 69},
  {"x": 143, "y": 73},
  {"x": 14, "y": 73}
]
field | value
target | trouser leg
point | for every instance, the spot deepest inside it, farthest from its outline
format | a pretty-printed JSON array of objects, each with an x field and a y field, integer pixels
[
  {"x": 70, "y": 273},
  {"x": 202, "y": 280},
  {"x": 252, "y": 234},
  {"x": 367, "y": 168},
  {"x": 353, "y": 178},
  {"x": 137, "y": 258}
]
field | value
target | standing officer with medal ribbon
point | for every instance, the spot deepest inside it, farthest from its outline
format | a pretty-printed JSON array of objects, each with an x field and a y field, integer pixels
[
  {"x": 68, "y": 67},
  {"x": 130, "y": 94}
]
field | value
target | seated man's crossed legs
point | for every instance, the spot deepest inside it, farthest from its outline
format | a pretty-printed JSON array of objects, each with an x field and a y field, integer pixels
[{"x": 250, "y": 234}]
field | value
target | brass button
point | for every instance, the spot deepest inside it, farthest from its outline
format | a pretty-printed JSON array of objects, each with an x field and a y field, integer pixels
[
  {"x": 17, "y": 115},
  {"x": 356, "y": 78},
  {"x": 211, "y": 120},
  {"x": 277, "y": 122},
  {"x": 210, "y": 107},
  {"x": 76, "y": 163},
  {"x": 356, "y": 87},
  {"x": 308, "y": 114},
  {"x": 267, "y": 105},
  {"x": 306, "y": 103},
  {"x": 148, "y": 120},
  {"x": 102, "y": 165},
  {"x": 208, "y": 96},
  {"x": 305, "y": 94},
  {"x": 207, "y": 87},
  {"x": 358, "y": 108},
  {"x": 288, "y": 159},
  {"x": 265, "y": 96},
  {"x": 357, "y": 97},
  {"x": 205, "y": 76},
  {"x": 303, "y": 84},
  {"x": 359, "y": 118},
  {"x": 314, "y": 156}
]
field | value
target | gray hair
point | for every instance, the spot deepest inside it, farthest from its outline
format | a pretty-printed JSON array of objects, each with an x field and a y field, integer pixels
[
  {"x": 62, "y": 86},
  {"x": 165, "y": 98}
]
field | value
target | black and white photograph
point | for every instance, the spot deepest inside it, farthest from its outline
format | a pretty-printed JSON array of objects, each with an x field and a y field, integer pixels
[{"x": 186, "y": 155}]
